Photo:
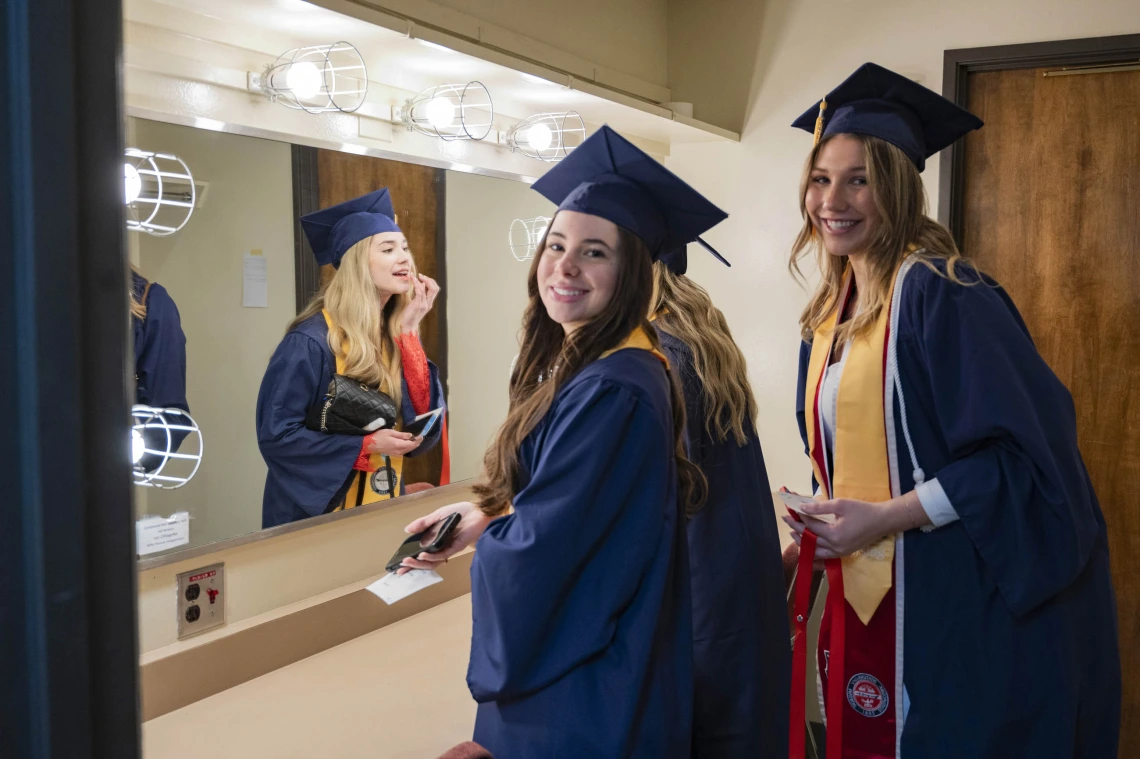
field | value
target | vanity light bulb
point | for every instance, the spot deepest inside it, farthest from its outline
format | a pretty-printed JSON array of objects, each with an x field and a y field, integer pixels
[
  {"x": 536, "y": 236},
  {"x": 304, "y": 79},
  {"x": 138, "y": 446},
  {"x": 441, "y": 113},
  {"x": 132, "y": 183},
  {"x": 540, "y": 137}
]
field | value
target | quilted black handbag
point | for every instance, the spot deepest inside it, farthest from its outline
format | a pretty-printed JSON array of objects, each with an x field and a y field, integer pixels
[{"x": 351, "y": 408}]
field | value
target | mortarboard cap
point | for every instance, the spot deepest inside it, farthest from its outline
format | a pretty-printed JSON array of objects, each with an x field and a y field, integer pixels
[
  {"x": 332, "y": 231},
  {"x": 610, "y": 177},
  {"x": 877, "y": 102}
]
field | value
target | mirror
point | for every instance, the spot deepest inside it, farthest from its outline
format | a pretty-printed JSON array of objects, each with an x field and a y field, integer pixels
[{"x": 239, "y": 271}]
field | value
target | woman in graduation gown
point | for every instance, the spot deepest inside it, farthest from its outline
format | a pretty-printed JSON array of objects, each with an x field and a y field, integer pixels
[
  {"x": 741, "y": 661},
  {"x": 363, "y": 324},
  {"x": 983, "y": 625},
  {"x": 581, "y": 643},
  {"x": 160, "y": 360}
]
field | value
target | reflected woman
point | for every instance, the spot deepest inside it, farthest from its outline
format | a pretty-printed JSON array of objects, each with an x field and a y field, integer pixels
[
  {"x": 741, "y": 661},
  {"x": 363, "y": 324},
  {"x": 581, "y": 645},
  {"x": 160, "y": 361}
]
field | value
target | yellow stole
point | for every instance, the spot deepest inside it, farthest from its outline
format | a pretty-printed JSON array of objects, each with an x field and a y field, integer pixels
[
  {"x": 639, "y": 340},
  {"x": 361, "y": 490},
  {"x": 859, "y": 468}
]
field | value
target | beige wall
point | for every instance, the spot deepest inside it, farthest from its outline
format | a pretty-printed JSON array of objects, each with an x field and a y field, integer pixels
[
  {"x": 248, "y": 204},
  {"x": 485, "y": 299},
  {"x": 806, "y": 48}
]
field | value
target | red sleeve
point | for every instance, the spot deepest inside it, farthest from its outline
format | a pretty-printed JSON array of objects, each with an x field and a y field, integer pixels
[
  {"x": 363, "y": 463},
  {"x": 416, "y": 372}
]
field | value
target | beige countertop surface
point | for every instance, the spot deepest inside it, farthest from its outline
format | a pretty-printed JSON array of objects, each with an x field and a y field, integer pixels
[{"x": 397, "y": 693}]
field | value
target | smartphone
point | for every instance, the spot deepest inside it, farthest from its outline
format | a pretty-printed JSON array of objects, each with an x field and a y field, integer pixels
[
  {"x": 431, "y": 540},
  {"x": 423, "y": 424}
]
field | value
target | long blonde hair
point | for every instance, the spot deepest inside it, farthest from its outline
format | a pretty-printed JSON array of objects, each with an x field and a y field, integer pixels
[
  {"x": 903, "y": 227},
  {"x": 362, "y": 334},
  {"x": 685, "y": 310},
  {"x": 548, "y": 358}
]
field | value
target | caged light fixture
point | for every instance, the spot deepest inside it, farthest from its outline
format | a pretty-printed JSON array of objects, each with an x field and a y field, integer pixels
[
  {"x": 159, "y": 192},
  {"x": 547, "y": 136},
  {"x": 158, "y": 436},
  {"x": 317, "y": 79},
  {"x": 525, "y": 235},
  {"x": 451, "y": 112}
]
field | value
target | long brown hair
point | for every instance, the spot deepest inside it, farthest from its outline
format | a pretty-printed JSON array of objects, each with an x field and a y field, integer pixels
[
  {"x": 684, "y": 309},
  {"x": 903, "y": 227},
  {"x": 358, "y": 322},
  {"x": 138, "y": 308},
  {"x": 548, "y": 358}
]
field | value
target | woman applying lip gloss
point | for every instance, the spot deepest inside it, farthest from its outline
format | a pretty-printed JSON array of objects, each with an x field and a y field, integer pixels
[{"x": 363, "y": 324}]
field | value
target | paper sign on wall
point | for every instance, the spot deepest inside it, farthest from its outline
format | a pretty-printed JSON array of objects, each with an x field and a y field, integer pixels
[
  {"x": 155, "y": 533},
  {"x": 254, "y": 280}
]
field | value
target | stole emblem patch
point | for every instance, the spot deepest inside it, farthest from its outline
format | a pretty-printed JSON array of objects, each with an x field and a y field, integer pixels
[{"x": 867, "y": 695}]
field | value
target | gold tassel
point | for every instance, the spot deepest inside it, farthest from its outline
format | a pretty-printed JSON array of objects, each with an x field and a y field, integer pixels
[
  {"x": 819, "y": 122},
  {"x": 396, "y": 216}
]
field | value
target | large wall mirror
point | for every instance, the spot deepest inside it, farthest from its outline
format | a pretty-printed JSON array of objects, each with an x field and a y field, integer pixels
[{"x": 240, "y": 270}]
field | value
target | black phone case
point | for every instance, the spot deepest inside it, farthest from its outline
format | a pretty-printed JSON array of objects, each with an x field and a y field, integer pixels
[{"x": 447, "y": 527}]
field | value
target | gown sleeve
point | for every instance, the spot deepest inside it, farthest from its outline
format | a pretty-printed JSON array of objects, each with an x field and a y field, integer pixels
[
  {"x": 1015, "y": 477},
  {"x": 310, "y": 467},
  {"x": 408, "y": 409},
  {"x": 551, "y": 580}
]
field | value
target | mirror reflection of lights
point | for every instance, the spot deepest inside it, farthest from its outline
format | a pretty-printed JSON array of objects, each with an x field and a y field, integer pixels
[
  {"x": 304, "y": 79},
  {"x": 132, "y": 183},
  {"x": 525, "y": 235},
  {"x": 166, "y": 447}
]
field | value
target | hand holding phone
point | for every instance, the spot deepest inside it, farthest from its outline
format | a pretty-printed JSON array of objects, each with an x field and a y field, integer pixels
[{"x": 432, "y": 540}]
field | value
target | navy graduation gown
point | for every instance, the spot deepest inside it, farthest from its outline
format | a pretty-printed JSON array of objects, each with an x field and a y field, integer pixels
[
  {"x": 309, "y": 472},
  {"x": 1010, "y": 645},
  {"x": 580, "y": 598},
  {"x": 741, "y": 655},
  {"x": 160, "y": 362}
]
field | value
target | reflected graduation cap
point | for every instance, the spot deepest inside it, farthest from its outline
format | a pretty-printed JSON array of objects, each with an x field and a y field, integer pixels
[
  {"x": 333, "y": 230},
  {"x": 610, "y": 177},
  {"x": 877, "y": 102}
]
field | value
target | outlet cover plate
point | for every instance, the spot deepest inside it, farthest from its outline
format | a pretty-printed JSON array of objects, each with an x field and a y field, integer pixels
[{"x": 201, "y": 600}]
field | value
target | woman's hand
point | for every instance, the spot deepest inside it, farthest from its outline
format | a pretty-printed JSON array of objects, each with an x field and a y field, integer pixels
[
  {"x": 858, "y": 524},
  {"x": 391, "y": 443},
  {"x": 471, "y": 526},
  {"x": 424, "y": 292}
]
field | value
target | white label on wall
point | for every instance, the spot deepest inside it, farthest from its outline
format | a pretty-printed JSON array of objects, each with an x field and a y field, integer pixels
[
  {"x": 392, "y": 587},
  {"x": 155, "y": 533},
  {"x": 254, "y": 280}
]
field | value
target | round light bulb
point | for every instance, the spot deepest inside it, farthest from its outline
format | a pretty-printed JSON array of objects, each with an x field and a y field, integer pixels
[
  {"x": 539, "y": 137},
  {"x": 304, "y": 79},
  {"x": 138, "y": 446},
  {"x": 132, "y": 183},
  {"x": 441, "y": 112}
]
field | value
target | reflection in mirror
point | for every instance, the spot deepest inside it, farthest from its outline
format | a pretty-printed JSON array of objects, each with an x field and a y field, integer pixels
[{"x": 238, "y": 282}]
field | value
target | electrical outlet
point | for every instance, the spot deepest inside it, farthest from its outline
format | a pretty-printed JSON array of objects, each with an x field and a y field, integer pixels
[{"x": 201, "y": 600}]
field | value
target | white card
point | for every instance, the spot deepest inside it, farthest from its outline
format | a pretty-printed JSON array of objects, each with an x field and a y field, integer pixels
[
  {"x": 392, "y": 587},
  {"x": 254, "y": 281},
  {"x": 796, "y": 502},
  {"x": 155, "y": 533}
]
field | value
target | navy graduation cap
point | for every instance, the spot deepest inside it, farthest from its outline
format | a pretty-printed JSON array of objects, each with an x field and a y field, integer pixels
[
  {"x": 877, "y": 102},
  {"x": 333, "y": 230},
  {"x": 610, "y": 177}
]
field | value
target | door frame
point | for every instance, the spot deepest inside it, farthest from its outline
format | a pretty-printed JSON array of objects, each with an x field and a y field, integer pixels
[{"x": 958, "y": 64}]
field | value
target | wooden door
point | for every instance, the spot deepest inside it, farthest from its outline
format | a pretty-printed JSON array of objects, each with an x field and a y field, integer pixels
[
  {"x": 1052, "y": 210},
  {"x": 418, "y": 199}
]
